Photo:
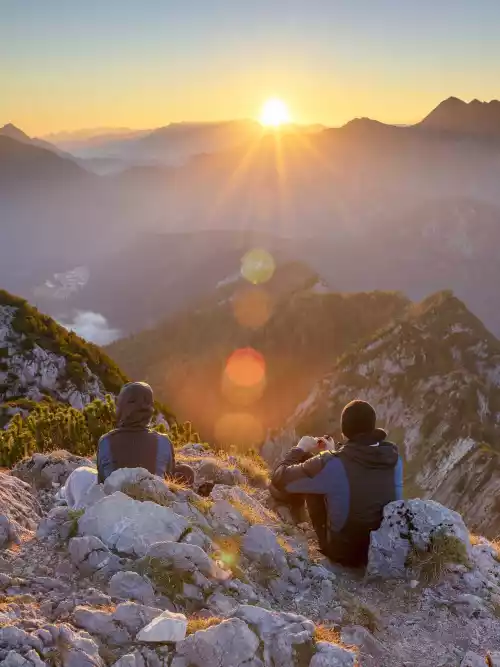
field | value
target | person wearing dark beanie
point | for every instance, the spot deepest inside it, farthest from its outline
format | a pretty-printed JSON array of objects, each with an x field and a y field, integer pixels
[
  {"x": 358, "y": 417},
  {"x": 346, "y": 486}
]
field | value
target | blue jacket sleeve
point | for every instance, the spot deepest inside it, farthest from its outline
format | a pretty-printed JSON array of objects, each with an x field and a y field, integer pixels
[
  {"x": 105, "y": 465},
  {"x": 165, "y": 461},
  {"x": 398, "y": 479},
  {"x": 298, "y": 473}
]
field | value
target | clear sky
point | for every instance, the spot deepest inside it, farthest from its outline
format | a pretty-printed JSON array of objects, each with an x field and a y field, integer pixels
[{"x": 68, "y": 64}]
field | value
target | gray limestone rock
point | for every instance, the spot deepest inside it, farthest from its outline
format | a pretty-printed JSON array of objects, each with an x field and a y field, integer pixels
[
  {"x": 130, "y": 585},
  {"x": 407, "y": 524}
]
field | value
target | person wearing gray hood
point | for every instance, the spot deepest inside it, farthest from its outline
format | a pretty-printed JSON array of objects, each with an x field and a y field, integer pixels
[{"x": 134, "y": 444}]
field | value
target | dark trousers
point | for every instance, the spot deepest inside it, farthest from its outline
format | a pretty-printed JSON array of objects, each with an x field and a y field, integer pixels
[{"x": 347, "y": 548}]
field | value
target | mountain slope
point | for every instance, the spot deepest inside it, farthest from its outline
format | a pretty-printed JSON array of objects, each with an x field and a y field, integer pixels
[
  {"x": 474, "y": 118},
  {"x": 295, "y": 324},
  {"x": 434, "y": 378},
  {"x": 13, "y": 132},
  {"x": 39, "y": 358}
]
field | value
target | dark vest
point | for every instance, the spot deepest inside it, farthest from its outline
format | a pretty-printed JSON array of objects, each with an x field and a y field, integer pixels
[{"x": 134, "y": 448}]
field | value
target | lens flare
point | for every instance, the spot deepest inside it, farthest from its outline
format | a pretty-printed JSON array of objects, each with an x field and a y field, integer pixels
[
  {"x": 252, "y": 307},
  {"x": 246, "y": 367},
  {"x": 241, "y": 429},
  {"x": 257, "y": 266}
]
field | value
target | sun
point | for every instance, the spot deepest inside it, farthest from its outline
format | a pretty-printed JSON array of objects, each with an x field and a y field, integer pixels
[{"x": 274, "y": 113}]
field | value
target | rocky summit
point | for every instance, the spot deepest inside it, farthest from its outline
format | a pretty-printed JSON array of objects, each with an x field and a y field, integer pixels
[{"x": 151, "y": 574}]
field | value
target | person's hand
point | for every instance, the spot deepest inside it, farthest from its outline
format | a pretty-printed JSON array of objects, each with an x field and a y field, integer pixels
[
  {"x": 308, "y": 444},
  {"x": 326, "y": 443}
]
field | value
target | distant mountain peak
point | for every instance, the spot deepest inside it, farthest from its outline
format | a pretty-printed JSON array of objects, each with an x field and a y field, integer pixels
[
  {"x": 10, "y": 130},
  {"x": 454, "y": 115}
]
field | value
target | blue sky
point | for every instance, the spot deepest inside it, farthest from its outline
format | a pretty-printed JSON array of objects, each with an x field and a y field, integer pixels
[{"x": 66, "y": 64}]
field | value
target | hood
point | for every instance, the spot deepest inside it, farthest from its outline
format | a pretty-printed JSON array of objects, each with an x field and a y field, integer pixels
[
  {"x": 135, "y": 406},
  {"x": 371, "y": 450}
]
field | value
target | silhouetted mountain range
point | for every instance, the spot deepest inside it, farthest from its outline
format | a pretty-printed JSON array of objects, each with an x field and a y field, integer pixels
[{"x": 372, "y": 205}]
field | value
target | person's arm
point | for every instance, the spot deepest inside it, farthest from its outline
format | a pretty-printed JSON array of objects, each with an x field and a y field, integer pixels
[
  {"x": 398, "y": 479},
  {"x": 299, "y": 472},
  {"x": 105, "y": 465},
  {"x": 165, "y": 457}
]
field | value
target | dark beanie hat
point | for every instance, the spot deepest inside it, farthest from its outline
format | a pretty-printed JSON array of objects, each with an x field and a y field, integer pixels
[{"x": 357, "y": 417}]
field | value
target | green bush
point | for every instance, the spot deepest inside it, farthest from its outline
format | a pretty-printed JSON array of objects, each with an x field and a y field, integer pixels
[{"x": 51, "y": 425}]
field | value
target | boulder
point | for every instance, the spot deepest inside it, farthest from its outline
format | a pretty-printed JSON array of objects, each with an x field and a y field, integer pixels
[
  {"x": 130, "y": 585},
  {"x": 15, "y": 659},
  {"x": 406, "y": 525},
  {"x": 80, "y": 649},
  {"x": 212, "y": 471},
  {"x": 142, "y": 481},
  {"x": 100, "y": 623},
  {"x": 61, "y": 523},
  {"x": 19, "y": 510},
  {"x": 282, "y": 635},
  {"x": 330, "y": 655},
  {"x": 243, "y": 500},
  {"x": 357, "y": 635},
  {"x": 43, "y": 471},
  {"x": 134, "y": 616},
  {"x": 261, "y": 545},
  {"x": 167, "y": 627},
  {"x": 472, "y": 659},
  {"x": 134, "y": 659},
  {"x": 81, "y": 489},
  {"x": 129, "y": 526},
  {"x": 227, "y": 519},
  {"x": 184, "y": 557},
  {"x": 228, "y": 644},
  {"x": 90, "y": 555}
]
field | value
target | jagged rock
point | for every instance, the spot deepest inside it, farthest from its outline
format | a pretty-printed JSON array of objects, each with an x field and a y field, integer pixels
[
  {"x": 15, "y": 659},
  {"x": 134, "y": 616},
  {"x": 472, "y": 660},
  {"x": 91, "y": 555},
  {"x": 19, "y": 510},
  {"x": 168, "y": 627},
  {"x": 408, "y": 524},
  {"x": 282, "y": 634},
  {"x": 43, "y": 471},
  {"x": 100, "y": 623},
  {"x": 134, "y": 659},
  {"x": 60, "y": 523},
  {"x": 260, "y": 545},
  {"x": 221, "y": 605},
  {"x": 13, "y": 637},
  {"x": 142, "y": 480},
  {"x": 212, "y": 471},
  {"x": 79, "y": 650},
  {"x": 131, "y": 585},
  {"x": 228, "y": 644},
  {"x": 227, "y": 518},
  {"x": 81, "y": 489},
  {"x": 357, "y": 635},
  {"x": 184, "y": 557},
  {"x": 129, "y": 526},
  {"x": 329, "y": 655},
  {"x": 236, "y": 495}
]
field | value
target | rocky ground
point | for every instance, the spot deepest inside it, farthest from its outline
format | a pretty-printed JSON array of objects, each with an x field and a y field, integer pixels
[{"x": 152, "y": 575}]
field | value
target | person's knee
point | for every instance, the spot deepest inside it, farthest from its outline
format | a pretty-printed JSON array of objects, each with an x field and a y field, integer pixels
[{"x": 184, "y": 474}]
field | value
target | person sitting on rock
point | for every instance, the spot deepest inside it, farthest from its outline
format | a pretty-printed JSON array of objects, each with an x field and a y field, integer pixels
[
  {"x": 133, "y": 444},
  {"x": 346, "y": 487}
]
